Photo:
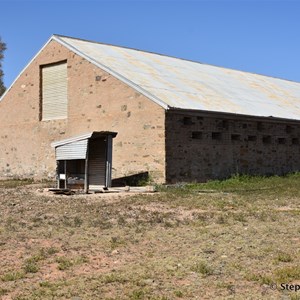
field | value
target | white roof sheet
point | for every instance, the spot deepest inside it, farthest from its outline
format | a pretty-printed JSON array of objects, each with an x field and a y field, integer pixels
[
  {"x": 72, "y": 140},
  {"x": 84, "y": 136},
  {"x": 177, "y": 83}
]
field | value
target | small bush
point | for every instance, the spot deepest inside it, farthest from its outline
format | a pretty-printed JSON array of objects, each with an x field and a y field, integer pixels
[
  {"x": 45, "y": 284},
  {"x": 3, "y": 292},
  {"x": 116, "y": 242},
  {"x": 262, "y": 279},
  {"x": 202, "y": 268},
  {"x": 178, "y": 294},
  {"x": 52, "y": 250},
  {"x": 111, "y": 278},
  {"x": 30, "y": 267},
  {"x": 64, "y": 263},
  {"x": 12, "y": 276},
  {"x": 284, "y": 257},
  {"x": 288, "y": 274},
  {"x": 77, "y": 221},
  {"x": 137, "y": 294}
]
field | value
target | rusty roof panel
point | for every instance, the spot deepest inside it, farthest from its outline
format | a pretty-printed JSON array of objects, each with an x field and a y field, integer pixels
[{"x": 179, "y": 83}]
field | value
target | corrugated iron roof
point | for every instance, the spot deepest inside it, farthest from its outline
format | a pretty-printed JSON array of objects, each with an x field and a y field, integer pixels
[
  {"x": 85, "y": 136},
  {"x": 178, "y": 83}
]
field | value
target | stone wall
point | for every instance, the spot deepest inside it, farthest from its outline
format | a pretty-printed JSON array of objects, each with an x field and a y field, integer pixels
[
  {"x": 203, "y": 146},
  {"x": 96, "y": 101},
  {"x": 198, "y": 146}
]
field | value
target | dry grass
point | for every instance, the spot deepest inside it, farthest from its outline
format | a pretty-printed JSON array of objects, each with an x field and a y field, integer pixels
[{"x": 221, "y": 240}]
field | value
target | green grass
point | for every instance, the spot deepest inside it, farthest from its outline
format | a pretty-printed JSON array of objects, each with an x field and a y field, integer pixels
[
  {"x": 30, "y": 267},
  {"x": 240, "y": 184},
  {"x": 288, "y": 274},
  {"x": 3, "y": 291},
  {"x": 114, "y": 278},
  {"x": 116, "y": 242},
  {"x": 203, "y": 268},
  {"x": 178, "y": 294},
  {"x": 13, "y": 183},
  {"x": 261, "y": 279},
  {"x": 45, "y": 284},
  {"x": 284, "y": 257},
  {"x": 217, "y": 240},
  {"x": 13, "y": 276},
  {"x": 65, "y": 263}
]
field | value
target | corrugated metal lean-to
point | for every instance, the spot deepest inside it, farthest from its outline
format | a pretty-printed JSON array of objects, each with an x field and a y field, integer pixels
[{"x": 85, "y": 161}]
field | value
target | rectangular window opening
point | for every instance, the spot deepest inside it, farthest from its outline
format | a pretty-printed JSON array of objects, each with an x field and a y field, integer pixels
[
  {"x": 235, "y": 137},
  {"x": 295, "y": 141},
  {"x": 260, "y": 126},
  {"x": 71, "y": 173},
  {"x": 197, "y": 135},
  {"x": 281, "y": 141},
  {"x": 216, "y": 135},
  {"x": 187, "y": 121},
  {"x": 222, "y": 124},
  {"x": 225, "y": 124},
  {"x": 267, "y": 139},
  {"x": 289, "y": 129},
  {"x": 252, "y": 138}
]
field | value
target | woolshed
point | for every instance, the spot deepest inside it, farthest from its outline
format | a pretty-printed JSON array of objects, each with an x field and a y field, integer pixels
[{"x": 127, "y": 112}]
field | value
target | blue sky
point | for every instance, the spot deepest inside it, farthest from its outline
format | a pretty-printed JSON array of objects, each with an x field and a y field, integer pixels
[{"x": 255, "y": 36}]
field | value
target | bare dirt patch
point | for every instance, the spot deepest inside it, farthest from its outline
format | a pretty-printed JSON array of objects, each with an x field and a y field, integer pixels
[{"x": 177, "y": 244}]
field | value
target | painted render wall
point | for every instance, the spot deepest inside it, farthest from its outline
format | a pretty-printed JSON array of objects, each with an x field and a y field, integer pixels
[
  {"x": 105, "y": 104},
  {"x": 203, "y": 146}
]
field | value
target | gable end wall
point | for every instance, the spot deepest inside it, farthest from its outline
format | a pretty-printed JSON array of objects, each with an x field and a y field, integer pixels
[{"x": 96, "y": 102}]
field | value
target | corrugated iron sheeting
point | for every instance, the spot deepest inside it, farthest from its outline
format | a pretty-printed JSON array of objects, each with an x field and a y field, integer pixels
[
  {"x": 88, "y": 135},
  {"x": 75, "y": 150},
  {"x": 190, "y": 85},
  {"x": 97, "y": 164}
]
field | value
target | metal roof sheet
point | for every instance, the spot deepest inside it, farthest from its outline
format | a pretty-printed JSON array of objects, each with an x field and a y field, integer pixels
[
  {"x": 178, "y": 83},
  {"x": 85, "y": 136}
]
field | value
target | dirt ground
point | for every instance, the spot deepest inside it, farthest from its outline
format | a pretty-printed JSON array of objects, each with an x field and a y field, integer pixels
[{"x": 165, "y": 245}]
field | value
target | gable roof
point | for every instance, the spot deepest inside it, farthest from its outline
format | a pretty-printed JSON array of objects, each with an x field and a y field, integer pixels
[{"x": 178, "y": 83}]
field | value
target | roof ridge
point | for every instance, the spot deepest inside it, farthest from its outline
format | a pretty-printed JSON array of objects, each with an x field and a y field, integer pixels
[{"x": 174, "y": 57}]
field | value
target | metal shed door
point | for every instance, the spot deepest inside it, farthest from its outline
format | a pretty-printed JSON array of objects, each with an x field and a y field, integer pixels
[{"x": 97, "y": 164}]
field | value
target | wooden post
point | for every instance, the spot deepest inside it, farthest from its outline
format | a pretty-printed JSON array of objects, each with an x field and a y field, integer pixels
[
  {"x": 66, "y": 179},
  {"x": 57, "y": 174}
]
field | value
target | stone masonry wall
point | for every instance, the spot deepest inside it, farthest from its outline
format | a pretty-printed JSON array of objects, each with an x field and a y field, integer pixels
[
  {"x": 96, "y": 101},
  {"x": 207, "y": 146}
]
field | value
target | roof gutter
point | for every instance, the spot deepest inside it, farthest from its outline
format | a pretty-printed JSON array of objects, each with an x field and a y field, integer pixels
[{"x": 230, "y": 115}]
